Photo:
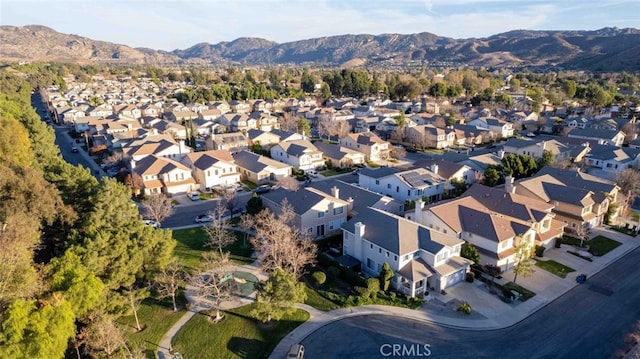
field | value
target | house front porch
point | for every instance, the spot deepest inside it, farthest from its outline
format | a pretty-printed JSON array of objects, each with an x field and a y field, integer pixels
[{"x": 414, "y": 278}]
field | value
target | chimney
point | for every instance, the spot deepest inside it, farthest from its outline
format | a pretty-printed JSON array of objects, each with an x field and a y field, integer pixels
[
  {"x": 350, "y": 204},
  {"x": 434, "y": 168},
  {"x": 154, "y": 131},
  {"x": 181, "y": 148},
  {"x": 357, "y": 243},
  {"x": 508, "y": 184},
  {"x": 418, "y": 210},
  {"x": 335, "y": 191},
  {"x": 132, "y": 165}
]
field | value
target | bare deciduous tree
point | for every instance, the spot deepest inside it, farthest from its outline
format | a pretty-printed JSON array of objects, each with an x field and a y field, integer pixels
[
  {"x": 216, "y": 282},
  {"x": 228, "y": 195},
  {"x": 629, "y": 182},
  {"x": 157, "y": 207},
  {"x": 134, "y": 181},
  {"x": 280, "y": 244},
  {"x": 326, "y": 126},
  {"x": 217, "y": 232},
  {"x": 247, "y": 223},
  {"x": 102, "y": 336},
  {"x": 288, "y": 122},
  {"x": 398, "y": 152},
  {"x": 289, "y": 183},
  {"x": 342, "y": 128},
  {"x": 116, "y": 159},
  {"x": 169, "y": 280},
  {"x": 135, "y": 296}
]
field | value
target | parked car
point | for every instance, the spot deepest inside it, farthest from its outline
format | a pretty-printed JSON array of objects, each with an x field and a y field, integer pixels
[
  {"x": 194, "y": 196},
  {"x": 151, "y": 222},
  {"x": 263, "y": 189},
  {"x": 312, "y": 173},
  {"x": 203, "y": 218},
  {"x": 296, "y": 351}
]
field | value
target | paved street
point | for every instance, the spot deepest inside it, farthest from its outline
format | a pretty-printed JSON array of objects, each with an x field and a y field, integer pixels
[{"x": 586, "y": 322}]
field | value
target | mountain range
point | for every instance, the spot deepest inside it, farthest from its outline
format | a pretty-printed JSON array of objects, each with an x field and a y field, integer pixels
[{"x": 607, "y": 49}]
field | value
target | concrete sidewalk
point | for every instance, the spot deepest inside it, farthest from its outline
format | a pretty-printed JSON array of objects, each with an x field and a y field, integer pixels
[{"x": 492, "y": 313}]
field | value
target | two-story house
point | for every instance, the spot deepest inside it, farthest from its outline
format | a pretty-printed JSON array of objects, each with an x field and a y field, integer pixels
[
  {"x": 300, "y": 154},
  {"x": 536, "y": 148},
  {"x": 212, "y": 168},
  {"x": 608, "y": 161},
  {"x": 422, "y": 259},
  {"x": 373, "y": 147},
  {"x": 161, "y": 148},
  {"x": 232, "y": 142},
  {"x": 260, "y": 169},
  {"x": 501, "y": 129},
  {"x": 402, "y": 185},
  {"x": 430, "y": 136},
  {"x": 163, "y": 175},
  {"x": 581, "y": 200},
  {"x": 340, "y": 156},
  {"x": 358, "y": 198},
  {"x": 317, "y": 214},
  {"x": 602, "y": 136},
  {"x": 493, "y": 220}
]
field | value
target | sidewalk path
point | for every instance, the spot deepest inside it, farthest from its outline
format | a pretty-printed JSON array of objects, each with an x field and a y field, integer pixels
[
  {"x": 199, "y": 304},
  {"x": 495, "y": 314}
]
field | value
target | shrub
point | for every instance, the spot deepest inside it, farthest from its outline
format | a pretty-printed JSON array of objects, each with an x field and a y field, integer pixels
[
  {"x": 465, "y": 308},
  {"x": 540, "y": 251},
  {"x": 392, "y": 295},
  {"x": 373, "y": 285},
  {"x": 333, "y": 271},
  {"x": 352, "y": 277},
  {"x": 470, "y": 277},
  {"x": 319, "y": 277}
]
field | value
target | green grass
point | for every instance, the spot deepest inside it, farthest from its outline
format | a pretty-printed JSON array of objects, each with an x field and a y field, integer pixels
[
  {"x": 601, "y": 245},
  {"x": 207, "y": 195},
  {"x": 372, "y": 164},
  {"x": 526, "y": 293},
  {"x": 190, "y": 247},
  {"x": 238, "y": 336},
  {"x": 157, "y": 317},
  {"x": 335, "y": 172},
  {"x": 249, "y": 185},
  {"x": 625, "y": 230},
  {"x": 573, "y": 241},
  {"x": 319, "y": 302},
  {"x": 554, "y": 267}
]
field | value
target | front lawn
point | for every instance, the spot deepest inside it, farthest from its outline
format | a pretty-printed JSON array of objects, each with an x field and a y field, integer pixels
[
  {"x": 238, "y": 336},
  {"x": 554, "y": 267},
  {"x": 319, "y": 302},
  {"x": 602, "y": 245},
  {"x": 156, "y": 317},
  {"x": 335, "y": 172},
  {"x": 190, "y": 247},
  {"x": 526, "y": 293}
]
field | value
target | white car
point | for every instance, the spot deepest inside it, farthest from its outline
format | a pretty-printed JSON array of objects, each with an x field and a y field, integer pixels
[
  {"x": 151, "y": 222},
  {"x": 313, "y": 174},
  {"x": 203, "y": 218}
]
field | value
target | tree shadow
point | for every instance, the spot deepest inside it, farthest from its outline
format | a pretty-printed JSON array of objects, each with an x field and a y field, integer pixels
[{"x": 243, "y": 347}]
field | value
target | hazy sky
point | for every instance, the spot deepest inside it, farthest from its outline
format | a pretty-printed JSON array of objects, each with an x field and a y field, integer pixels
[{"x": 171, "y": 24}]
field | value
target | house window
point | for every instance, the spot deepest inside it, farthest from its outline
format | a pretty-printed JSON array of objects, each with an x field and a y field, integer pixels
[
  {"x": 395, "y": 258},
  {"x": 371, "y": 246},
  {"x": 409, "y": 192},
  {"x": 380, "y": 250},
  {"x": 377, "y": 181},
  {"x": 370, "y": 264},
  {"x": 338, "y": 210},
  {"x": 387, "y": 254},
  {"x": 320, "y": 214},
  {"x": 397, "y": 189}
]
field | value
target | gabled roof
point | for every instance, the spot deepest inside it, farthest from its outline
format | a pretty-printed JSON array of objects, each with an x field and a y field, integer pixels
[
  {"x": 149, "y": 148},
  {"x": 334, "y": 151},
  {"x": 578, "y": 179},
  {"x": 206, "y": 159},
  {"x": 297, "y": 148},
  {"x": 549, "y": 189},
  {"x": 446, "y": 169},
  {"x": 254, "y": 162},
  {"x": 362, "y": 198},
  {"x": 604, "y": 134},
  {"x": 301, "y": 200},
  {"x": 396, "y": 234},
  {"x": 379, "y": 172},
  {"x": 615, "y": 153},
  {"x": 154, "y": 165},
  {"x": 367, "y": 139}
]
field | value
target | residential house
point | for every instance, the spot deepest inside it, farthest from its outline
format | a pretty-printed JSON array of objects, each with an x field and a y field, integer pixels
[
  {"x": 300, "y": 154},
  {"x": 169, "y": 127},
  {"x": 178, "y": 116},
  {"x": 452, "y": 172},
  {"x": 608, "y": 161},
  {"x": 232, "y": 142},
  {"x": 210, "y": 114},
  {"x": 161, "y": 148},
  {"x": 581, "y": 200},
  {"x": 239, "y": 106},
  {"x": 212, "y": 168},
  {"x": 373, "y": 147},
  {"x": 536, "y": 147},
  {"x": 317, "y": 214},
  {"x": 494, "y": 221},
  {"x": 358, "y": 198},
  {"x": 163, "y": 175},
  {"x": 430, "y": 136},
  {"x": 601, "y": 136},
  {"x": 262, "y": 138},
  {"x": 500, "y": 129},
  {"x": 402, "y": 185},
  {"x": 260, "y": 169},
  {"x": 340, "y": 156},
  {"x": 422, "y": 259}
]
